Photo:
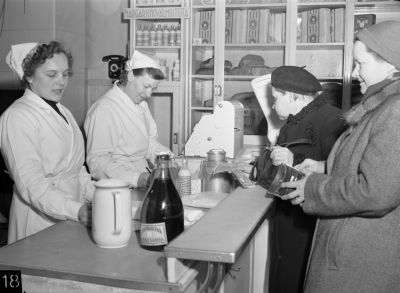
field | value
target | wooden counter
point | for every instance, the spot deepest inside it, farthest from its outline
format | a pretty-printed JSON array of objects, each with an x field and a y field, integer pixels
[{"x": 66, "y": 251}]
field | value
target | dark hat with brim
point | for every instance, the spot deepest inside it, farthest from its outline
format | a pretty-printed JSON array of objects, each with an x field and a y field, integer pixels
[{"x": 295, "y": 79}]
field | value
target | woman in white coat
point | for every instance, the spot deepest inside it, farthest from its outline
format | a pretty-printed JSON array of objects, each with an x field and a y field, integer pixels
[
  {"x": 121, "y": 132},
  {"x": 42, "y": 145}
]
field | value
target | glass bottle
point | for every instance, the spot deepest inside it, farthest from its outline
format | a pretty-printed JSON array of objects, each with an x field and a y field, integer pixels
[
  {"x": 139, "y": 36},
  {"x": 153, "y": 41},
  {"x": 159, "y": 36},
  {"x": 162, "y": 210},
  {"x": 178, "y": 35},
  {"x": 165, "y": 36},
  {"x": 164, "y": 68},
  {"x": 185, "y": 179},
  {"x": 172, "y": 36},
  {"x": 176, "y": 71},
  {"x": 146, "y": 36}
]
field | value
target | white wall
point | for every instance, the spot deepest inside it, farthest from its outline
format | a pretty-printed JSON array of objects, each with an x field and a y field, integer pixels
[
  {"x": 91, "y": 29},
  {"x": 21, "y": 25}
]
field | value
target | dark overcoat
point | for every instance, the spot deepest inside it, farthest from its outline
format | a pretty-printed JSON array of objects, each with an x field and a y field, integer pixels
[{"x": 292, "y": 229}]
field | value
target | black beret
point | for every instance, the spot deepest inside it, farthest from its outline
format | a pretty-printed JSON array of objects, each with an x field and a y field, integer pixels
[{"x": 295, "y": 79}]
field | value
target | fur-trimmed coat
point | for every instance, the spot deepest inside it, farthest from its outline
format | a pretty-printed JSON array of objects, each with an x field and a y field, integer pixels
[{"x": 357, "y": 240}]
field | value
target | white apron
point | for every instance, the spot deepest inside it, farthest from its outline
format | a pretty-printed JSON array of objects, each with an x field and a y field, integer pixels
[
  {"x": 121, "y": 137},
  {"x": 44, "y": 156}
]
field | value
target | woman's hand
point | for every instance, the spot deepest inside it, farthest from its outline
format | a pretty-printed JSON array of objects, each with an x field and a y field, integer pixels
[
  {"x": 85, "y": 215},
  {"x": 309, "y": 165},
  {"x": 296, "y": 197},
  {"x": 144, "y": 180},
  {"x": 280, "y": 155}
]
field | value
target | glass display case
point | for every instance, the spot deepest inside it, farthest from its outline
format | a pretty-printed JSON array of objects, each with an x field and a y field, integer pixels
[
  {"x": 233, "y": 42},
  {"x": 226, "y": 44}
]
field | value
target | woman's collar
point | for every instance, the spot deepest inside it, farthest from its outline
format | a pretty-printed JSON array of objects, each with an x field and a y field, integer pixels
[{"x": 312, "y": 106}]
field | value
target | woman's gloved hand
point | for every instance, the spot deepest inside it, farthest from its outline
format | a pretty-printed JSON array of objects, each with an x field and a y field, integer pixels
[
  {"x": 281, "y": 155},
  {"x": 312, "y": 166},
  {"x": 296, "y": 197}
]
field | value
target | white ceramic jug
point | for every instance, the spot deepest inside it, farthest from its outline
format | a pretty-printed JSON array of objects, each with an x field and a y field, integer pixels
[{"x": 112, "y": 213}]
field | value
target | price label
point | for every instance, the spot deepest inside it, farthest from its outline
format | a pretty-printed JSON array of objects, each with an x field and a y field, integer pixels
[{"x": 10, "y": 282}]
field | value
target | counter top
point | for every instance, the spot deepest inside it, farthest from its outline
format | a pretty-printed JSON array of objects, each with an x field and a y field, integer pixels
[
  {"x": 224, "y": 232},
  {"x": 66, "y": 250}
]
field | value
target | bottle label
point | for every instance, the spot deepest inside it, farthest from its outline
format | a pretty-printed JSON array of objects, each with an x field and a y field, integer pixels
[
  {"x": 185, "y": 185},
  {"x": 153, "y": 234}
]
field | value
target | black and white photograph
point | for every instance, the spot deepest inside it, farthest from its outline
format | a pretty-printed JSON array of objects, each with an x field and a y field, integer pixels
[{"x": 200, "y": 146}]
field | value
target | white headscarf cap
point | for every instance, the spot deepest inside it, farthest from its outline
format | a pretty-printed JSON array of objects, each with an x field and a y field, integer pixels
[
  {"x": 140, "y": 60},
  {"x": 17, "y": 54}
]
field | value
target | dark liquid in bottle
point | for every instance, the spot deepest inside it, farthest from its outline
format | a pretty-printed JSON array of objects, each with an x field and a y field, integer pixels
[{"x": 163, "y": 204}]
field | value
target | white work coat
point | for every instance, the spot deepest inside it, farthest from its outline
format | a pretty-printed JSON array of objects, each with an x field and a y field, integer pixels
[
  {"x": 121, "y": 137},
  {"x": 44, "y": 156}
]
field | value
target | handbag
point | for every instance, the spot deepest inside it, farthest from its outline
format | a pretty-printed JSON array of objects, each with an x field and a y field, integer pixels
[{"x": 269, "y": 176}]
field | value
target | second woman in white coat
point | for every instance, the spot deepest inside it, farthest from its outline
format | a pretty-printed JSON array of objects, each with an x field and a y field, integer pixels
[{"x": 121, "y": 132}]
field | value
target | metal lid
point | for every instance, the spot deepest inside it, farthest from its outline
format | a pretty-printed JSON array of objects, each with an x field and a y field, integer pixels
[
  {"x": 217, "y": 155},
  {"x": 162, "y": 156}
]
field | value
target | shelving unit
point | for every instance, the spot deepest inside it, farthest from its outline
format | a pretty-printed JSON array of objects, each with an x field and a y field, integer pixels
[
  {"x": 328, "y": 56},
  {"x": 211, "y": 59},
  {"x": 158, "y": 18},
  {"x": 228, "y": 77}
]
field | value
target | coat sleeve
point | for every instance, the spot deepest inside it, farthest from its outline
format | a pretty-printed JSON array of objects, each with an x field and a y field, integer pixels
[
  {"x": 20, "y": 146},
  {"x": 102, "y": 132},
  {"x": 87, "y": 186},
  {"x": 374, "y": 189}
]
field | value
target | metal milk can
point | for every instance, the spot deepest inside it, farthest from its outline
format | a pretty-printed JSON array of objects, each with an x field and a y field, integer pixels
[{"x": 216, "y": 181}]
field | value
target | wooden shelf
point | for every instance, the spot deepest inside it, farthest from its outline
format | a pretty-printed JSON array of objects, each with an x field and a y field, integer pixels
[
  {"x": 313, "y": 5},
  {"x": 313, "y": 46},
  {"x": 204, "y": 7},
  {"x": 255, "y": 45},
  {"x": 159, "y": 47},
  {"x": 205, "y": 109},
  {"x": 239, "y": 77},
  {"x": 273, "y": 6},
  {"x": 197, "y": 76}
]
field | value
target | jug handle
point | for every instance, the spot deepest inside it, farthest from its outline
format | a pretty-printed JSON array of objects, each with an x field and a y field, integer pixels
[{"x": 117, "y": 212}]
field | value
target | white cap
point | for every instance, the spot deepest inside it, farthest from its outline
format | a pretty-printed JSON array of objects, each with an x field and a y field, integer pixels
[
  {"x": 17, "y": 54},
  {"x": 140, "y": 60}
]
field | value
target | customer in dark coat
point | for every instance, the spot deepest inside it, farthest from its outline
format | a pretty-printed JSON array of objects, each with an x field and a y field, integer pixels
[
  {"x": 308, "y": 117},
  {"x": 356, "y": 247}
]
